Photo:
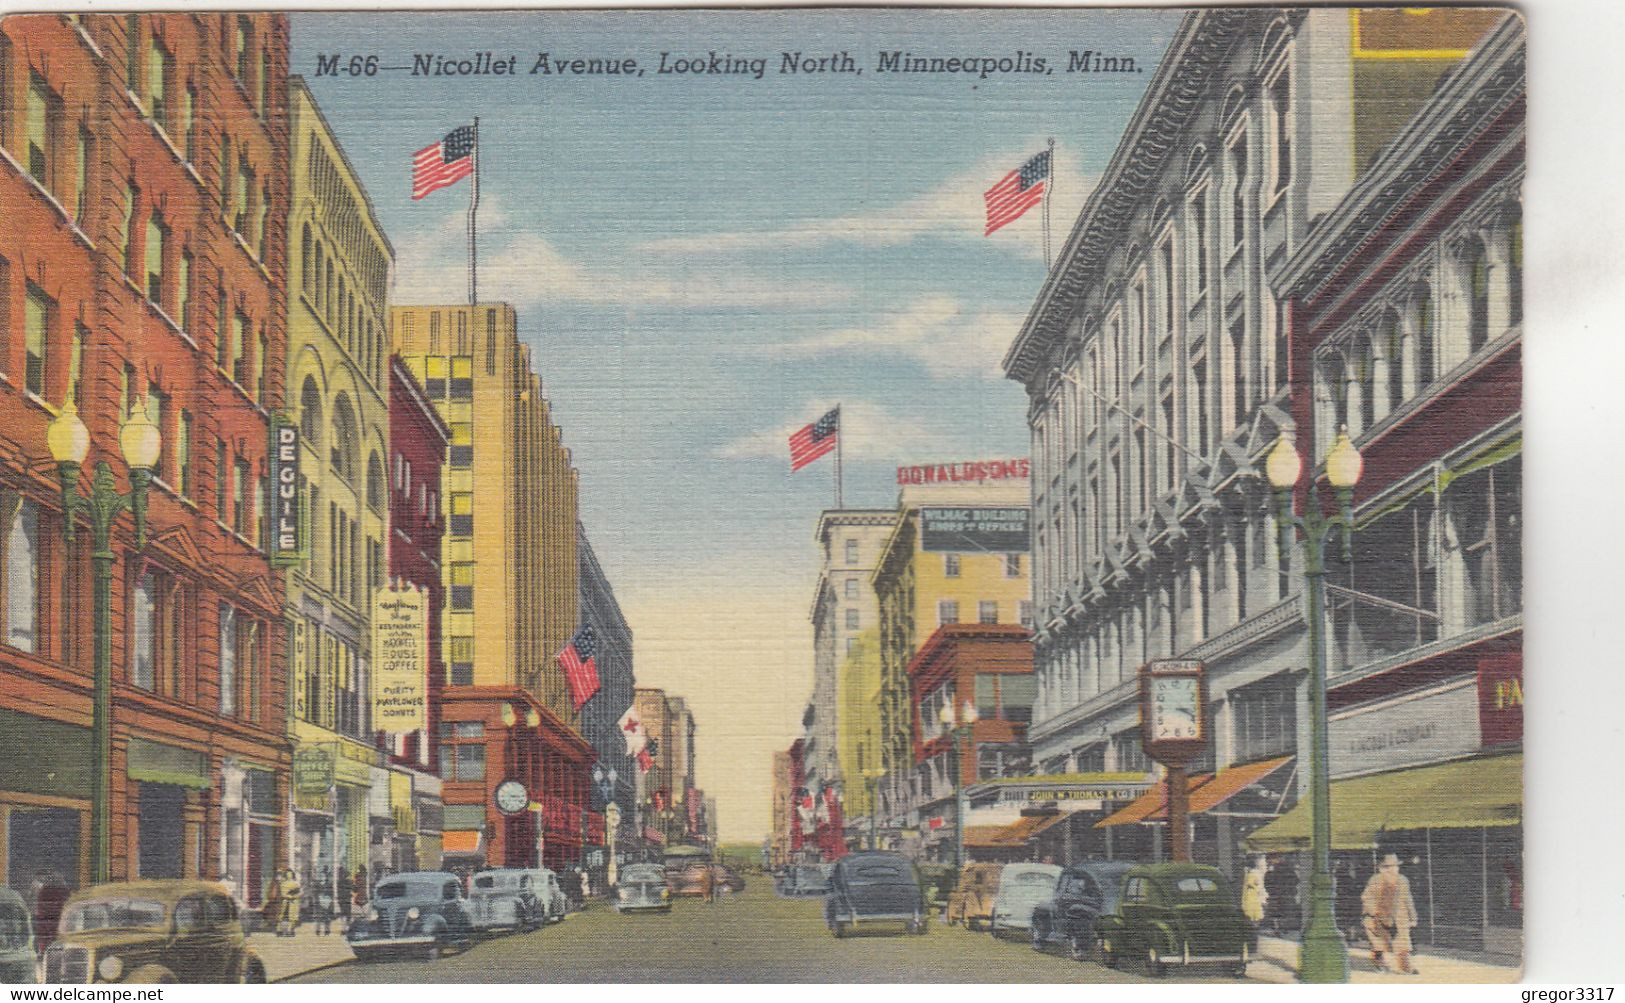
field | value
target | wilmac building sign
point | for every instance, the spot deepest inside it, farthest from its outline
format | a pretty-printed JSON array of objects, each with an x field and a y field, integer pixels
[
  {"x": 287, "y": 535},
  {"x": 999, "y": 530}
]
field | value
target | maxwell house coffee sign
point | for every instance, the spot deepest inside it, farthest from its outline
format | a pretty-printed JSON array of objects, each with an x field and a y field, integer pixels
[{"x": 287, "y": 534}]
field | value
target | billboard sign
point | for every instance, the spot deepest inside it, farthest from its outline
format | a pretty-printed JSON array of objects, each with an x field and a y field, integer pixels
[
  {"x": 991, "y": 530},
  {"x": 400, "y": 659}
]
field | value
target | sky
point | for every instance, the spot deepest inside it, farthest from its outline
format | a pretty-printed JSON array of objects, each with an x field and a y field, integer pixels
[{"x": 703, "y": 263}]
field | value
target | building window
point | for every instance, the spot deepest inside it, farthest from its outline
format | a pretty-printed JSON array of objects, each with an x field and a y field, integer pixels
[
  {"x": 184, "y": 301},
  {"x": 987, "y": 611},
  {"x": 1198, "y": 212},
  {"x": 1131, "y": 757},
  {"x": 1478, "y": 297},
  {"x": 1025, "y": 612},
  {"x": 159, "y": 69},
  {"x": 189, "y": 121},
  {"x": 157, "y": 408},
  {"x": 40, "y": 313},
  {"x": 44, "y": 111},
  {"x": 1012, "y": 565},
  {"x": 222, "y": 476},
  {"x": 462, "y": 661},
  {"x": 434, "y": 369},
  {"x": 1237, "y": 410},
  {"x": 1003, "y": 760},
  {"x": 1200, "y": 400},
  {"x": 76, "y": 363},
  {"x": 1486, "y": 524},
  {"x": 462, "y": 377},
  {"x": 852, "y": 619},
  {"x": 81, "y": 195},
  {"x": 238, "y": 360},
  {"x": 157, "y": 244},
  {"x": 1280, "y": 101},
  {"x": 228, "y": 660},
  {"x": 851, "y": 588},
  {"x": 851, "y": 551},
  {"x": 1265, "y": 719},
  {"x": 1238, "y": 191},
  {"x": 183, "y": 454},
  {"x": 462, "y": 444},
  {"x": 462, "y": 513},
  {"x": 462, "y": 585},
  {"x": 851, "y": 645},
  {"x": 1001, "y": 697},
  {"x": 950, "y": 565},
  {"x": 239, "y": 498},
  {"x": 462, "y": 751},
  {"x": 20, "y": 548},
  {"x": 947, "y": 611}
]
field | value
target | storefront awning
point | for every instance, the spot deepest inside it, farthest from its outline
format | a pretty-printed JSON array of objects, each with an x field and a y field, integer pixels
[
  {"x": 1206, "y": 791},
  {"x": 158, "y": 763},
  {"x": 465, "y": 841},
  {"x": 1468, "y": 794},
  {"x": 1016, "y": 834}
]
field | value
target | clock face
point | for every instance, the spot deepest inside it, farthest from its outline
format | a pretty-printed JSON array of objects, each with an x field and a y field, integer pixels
[
  {"x": 1176, "y": 711},
  {"x": 512, "y": 797}
]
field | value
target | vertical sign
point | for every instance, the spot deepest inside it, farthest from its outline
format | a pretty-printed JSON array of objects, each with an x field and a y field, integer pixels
[
  {"x": 400, "y": 660},
  {"x": 299, "y": 659},
  {"x": 287, "y": 538}
]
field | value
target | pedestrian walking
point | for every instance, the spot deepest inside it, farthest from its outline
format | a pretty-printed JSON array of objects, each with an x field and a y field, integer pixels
[
  {"x": 271, "y": 910},
  {"x": 323, "y": 907},
  {"x": 288, "y": 920},
  {"x": 586, "y": 888},
  {"x": 1389, "y": 913},
  {"x": 345, "y": 896},
  {"x": 1254, "y": 896},
  {"x": 359, "y": 884}
]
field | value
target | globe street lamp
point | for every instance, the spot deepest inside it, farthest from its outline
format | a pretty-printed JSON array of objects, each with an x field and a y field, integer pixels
[
  {"x": 1323, "y": 957},
  {"x": 960, "y": 729},
  {"x": 69, "y": 442}
]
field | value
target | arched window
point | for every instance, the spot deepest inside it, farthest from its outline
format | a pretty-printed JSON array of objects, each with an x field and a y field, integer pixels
[
  {"x": 328, "y": 300},
  {"x": 1333, "y": 395},
  {"x": 310, "y": 413},
  {"x": 304, "y": 258},
  {"x": 1393, "y": 348},
  {"x": 344, "y": 311},
  {"x": 346, "y": 440},
  {"x": 1422, "y": 330},
  {"x": 375, "y": 482},
  {"x": 1478, "y": 296},
  {"x": 1363, "y": 396}
]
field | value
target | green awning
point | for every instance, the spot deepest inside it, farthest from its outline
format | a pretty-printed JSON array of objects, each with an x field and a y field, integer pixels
[
  {"x": 464, "y": 816},
  {"x": 157, "y": 763},
  {"x": 1469, "y": 794}
]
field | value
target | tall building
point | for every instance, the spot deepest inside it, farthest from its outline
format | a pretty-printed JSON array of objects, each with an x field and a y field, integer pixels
[
  {"x": 844, "y": 606},
  {"x": 956, "y": 553},
  {"x": 683, "y": 792},
  {"x": 339, "y": 263},
  {"x": 1161, "y": 364},
  {"x": 662, "y": 778},
  {"x": 778, "y": 845},
  {"x": 142, "y": 271},
  {"x": 418, "y": 440},
  {"x": 858, "y": 731},
  {"x": 1405, "y": 308},
  {"x": 511, "y": 569},
  {"x": 601, "y": 715}
]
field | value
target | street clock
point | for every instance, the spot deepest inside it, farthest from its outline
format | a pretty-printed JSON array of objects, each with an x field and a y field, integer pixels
[
  {"x": 511, "y": 797},
  {"x": 1173, "y": 695}
]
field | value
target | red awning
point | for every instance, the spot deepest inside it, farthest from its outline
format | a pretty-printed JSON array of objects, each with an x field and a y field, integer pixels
[
  {"x": 1009, "y": 836},
  {"x": 1206, "y": 791}
]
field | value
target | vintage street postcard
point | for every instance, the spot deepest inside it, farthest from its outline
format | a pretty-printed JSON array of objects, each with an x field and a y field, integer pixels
[{"x": 787, "y": 495}]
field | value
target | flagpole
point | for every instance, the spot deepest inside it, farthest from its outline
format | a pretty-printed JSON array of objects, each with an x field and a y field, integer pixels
[
  {"x": 1049, "y": 190},
  {"x": 473, "y": 213},
  {"x": 839, "y": 438}
]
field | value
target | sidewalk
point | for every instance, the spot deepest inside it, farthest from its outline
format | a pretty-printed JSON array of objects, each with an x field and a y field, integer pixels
[
  {"x": 1277, "y": 961},
  {"x": 286, "y": 957}
]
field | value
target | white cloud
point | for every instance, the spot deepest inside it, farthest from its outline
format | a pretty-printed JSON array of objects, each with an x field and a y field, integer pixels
[
  {"x": 868, "y": 431},
  {"x": 528, "y": 270},
  {"x": 953, "y": 210},
  {"x": 938, "y": 332}
]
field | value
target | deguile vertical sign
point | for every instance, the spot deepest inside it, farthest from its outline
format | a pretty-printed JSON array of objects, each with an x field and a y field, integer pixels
[{"x": 287, "y": 541}]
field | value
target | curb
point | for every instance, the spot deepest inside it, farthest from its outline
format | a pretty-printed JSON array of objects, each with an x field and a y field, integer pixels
[{"x": 309, "y": 971}]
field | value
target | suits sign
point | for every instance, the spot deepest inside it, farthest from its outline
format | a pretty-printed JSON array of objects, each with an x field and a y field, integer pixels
[{"x": 400, "y": 660}]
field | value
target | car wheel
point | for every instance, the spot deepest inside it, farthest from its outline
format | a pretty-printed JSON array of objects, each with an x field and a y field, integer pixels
[
  {"x": 1077, "y": 946},
  {"x": 1108, "y": 954},
  {"x": 1154, "y": 966},
  {"x": 254, "y": 974},
  {"x": 433, "y": 952}
]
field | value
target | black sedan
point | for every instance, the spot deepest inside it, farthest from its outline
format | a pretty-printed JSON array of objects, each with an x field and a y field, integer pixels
[
  {"x": 872, "y": 888},
  {"x": 1085, "y": 892}
]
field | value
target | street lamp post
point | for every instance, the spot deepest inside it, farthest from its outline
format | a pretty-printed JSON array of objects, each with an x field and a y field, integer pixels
[
  {"x": 960, "y": 727},
  {"x": 69, "y": 442},
  {"x": 1323, "y": 956},
  {"x": 872, "y": 779}
]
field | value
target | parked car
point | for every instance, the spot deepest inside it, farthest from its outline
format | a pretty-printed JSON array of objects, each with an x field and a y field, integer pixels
[
  {"x": 694, "y": 879},
  {"x": 1085, "y": 892},
  {"x": 874, "y": 887},
  {"x": 728, "y": 879},
  {"x": 642, "y": 888},
  {"x": 971, "y": 901},
  {"x": 515, "y": 899},
  {"x": 804, "y": 880},
  {"x": 1176, "y": 914},
  {"x": 16, "y": 939},
  {"x": 152, "y": 931},
  {"x": 422, "y": 911},
  {"x": 1021, "y": 888}
]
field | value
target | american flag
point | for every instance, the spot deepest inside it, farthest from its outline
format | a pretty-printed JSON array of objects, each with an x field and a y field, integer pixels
[
  {"x": 631, "y": 726},
  {"x": 1016, "y": 192},
  {"x": 444, "y": 163},
  {"x": 815, "y": 440},
  {"x": 646, "y": 760},
  {"x": 579, "y": 668}
]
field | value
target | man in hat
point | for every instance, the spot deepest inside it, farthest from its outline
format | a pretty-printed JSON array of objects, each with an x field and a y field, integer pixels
[{"x": 1389, "y": 913}]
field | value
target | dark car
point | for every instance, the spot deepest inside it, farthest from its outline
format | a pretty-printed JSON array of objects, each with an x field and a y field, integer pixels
[
  {"x": 642, "y": 888},
  {"x": 16, "y": 939},
  {"x": 423, "y": 912},
  {"x": 874, "y": 888},
  {"x": 1085, "y": 892},
  {"x": 152, "y": 932},
  {"x": 804, "y": 880},
  {"x": 728, "y": 879},
  {"x": 1176, "y": 914}
]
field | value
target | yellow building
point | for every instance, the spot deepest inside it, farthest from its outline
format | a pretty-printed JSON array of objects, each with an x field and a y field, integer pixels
[
  {"x": 338, "y": 274},
  {"x": 919, "y": 590},
  {"x": 858, "y": 733},
  {"x": 510, "y": 501}
]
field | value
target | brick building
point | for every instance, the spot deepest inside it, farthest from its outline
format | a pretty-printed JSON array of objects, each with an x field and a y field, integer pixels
[{"x": 142, "y": 265}]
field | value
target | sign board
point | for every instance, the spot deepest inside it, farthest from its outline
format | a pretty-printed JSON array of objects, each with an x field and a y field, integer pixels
[
  {"x": 983, "y": 530},
  {"x": 968, "y": 472},
  {"x": 287, "y": 532},
  {"x": 312, "y": 770},
  {"x": 1424, "y": 729},
  {"x": 400, "y": 659},
  {"x": 1500, "y": 699},
  {"x": 301, "y": 668}
]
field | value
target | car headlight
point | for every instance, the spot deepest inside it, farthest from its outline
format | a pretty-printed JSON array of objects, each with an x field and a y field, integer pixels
[
  {"x": 413, "y": 913},
  {"x": 110, "y": 967},
  {"x": 372, "y": 913}
]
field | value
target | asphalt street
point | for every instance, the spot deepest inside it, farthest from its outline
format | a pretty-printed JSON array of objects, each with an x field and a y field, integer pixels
[{"x": 752, "y": 936}]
